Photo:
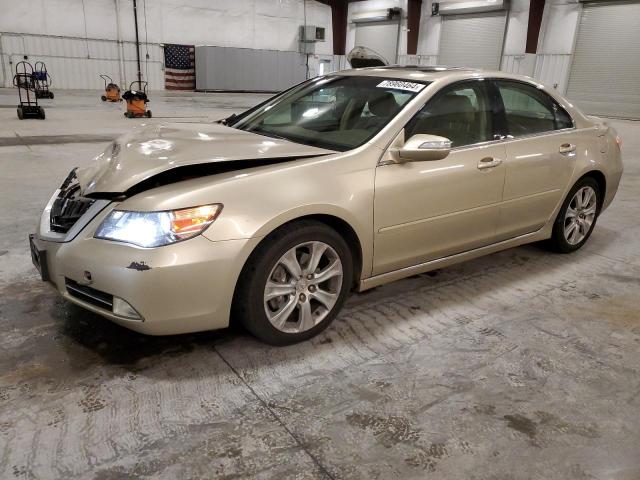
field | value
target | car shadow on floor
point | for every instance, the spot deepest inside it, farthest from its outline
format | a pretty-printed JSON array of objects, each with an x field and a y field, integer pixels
[{"x": 118, "y": 346}]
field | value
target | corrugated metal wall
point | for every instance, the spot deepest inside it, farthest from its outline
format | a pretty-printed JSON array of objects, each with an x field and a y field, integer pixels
[
  {"x": 553, "y": 70},
  {"x": 425, "y": 60},
  {"x": 77, "y": 63},
  {"x": 473, "y": 40},
  {"x": 521, "y": 64},
  {"x": 607, "y": 53}
]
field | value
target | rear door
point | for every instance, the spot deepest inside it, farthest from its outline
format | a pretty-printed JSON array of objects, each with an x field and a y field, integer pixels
[{"x": 541, "y": 144}]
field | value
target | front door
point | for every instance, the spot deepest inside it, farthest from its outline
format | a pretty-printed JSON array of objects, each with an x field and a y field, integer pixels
[{"x": 431, "y": 209}]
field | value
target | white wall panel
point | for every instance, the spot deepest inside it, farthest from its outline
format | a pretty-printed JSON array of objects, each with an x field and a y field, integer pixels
[
  {"x": 553, "y": 70},
  {"x": 429, "y": 35},
  {"x": 473, "y": 40},
  {"x": 515, "y": 40},
  {"x": 559, "y": 26},
  {"x": 425, "y": 60},
  {"x": 523, "y": 64},
  {"x": 606, "y": 62},
  {"x": 381, "y": 37},
  {"x": 256, "y": 24},
  {"x": 376, "y": 5},
  {"x": 77, "y": 63}
]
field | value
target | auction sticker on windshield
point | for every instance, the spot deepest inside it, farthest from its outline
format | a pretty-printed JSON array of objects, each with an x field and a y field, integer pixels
[{"x": 400, "y": 85}]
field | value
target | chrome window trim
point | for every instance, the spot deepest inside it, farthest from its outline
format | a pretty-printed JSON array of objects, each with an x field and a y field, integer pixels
[
  {"x": 538, "y": 87},
  {"x": 538, "y": 134},
  {"x": 382, "y": 163}
]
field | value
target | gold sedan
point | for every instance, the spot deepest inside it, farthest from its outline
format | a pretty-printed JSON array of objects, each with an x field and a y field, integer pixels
[{"x": 342, "y": 183}]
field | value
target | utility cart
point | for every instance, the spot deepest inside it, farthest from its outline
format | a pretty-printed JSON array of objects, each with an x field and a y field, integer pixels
[
  {"x": 42, "y": 80},
  {"x": 24, "y": 81}
]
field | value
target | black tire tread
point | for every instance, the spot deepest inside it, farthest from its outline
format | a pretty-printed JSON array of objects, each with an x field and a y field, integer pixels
[
  {"x": 241, "y": 308},
  {"x": 557, "y": 242}
]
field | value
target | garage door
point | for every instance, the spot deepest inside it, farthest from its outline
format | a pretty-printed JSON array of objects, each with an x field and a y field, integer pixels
[
  {"x": 381, "y": 37},
  {"x": 605, "y": 75},
  {"x": 473, "y": 40}
]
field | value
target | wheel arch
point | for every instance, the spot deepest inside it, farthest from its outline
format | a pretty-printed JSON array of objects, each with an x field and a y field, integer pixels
[
  {"x": 334, "y": 222},
  {"x": 601, "y": 180}
]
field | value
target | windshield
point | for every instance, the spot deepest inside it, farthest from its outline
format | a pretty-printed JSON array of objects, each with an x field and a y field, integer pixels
[{"x": 338, "y": 113}]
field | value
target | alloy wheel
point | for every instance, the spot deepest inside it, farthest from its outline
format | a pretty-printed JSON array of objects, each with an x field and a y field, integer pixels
[
  {"x": 580, "y": 215},
  {"x": 303, "y": 287}
]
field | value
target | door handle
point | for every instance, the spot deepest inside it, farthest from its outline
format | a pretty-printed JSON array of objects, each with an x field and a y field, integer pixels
[
  {"x": 488, "y": 162},
  {"x": 567, "y": 149}
]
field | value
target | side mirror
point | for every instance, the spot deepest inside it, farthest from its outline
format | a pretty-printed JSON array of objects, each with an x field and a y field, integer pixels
[{"x": 423, "y": 147}]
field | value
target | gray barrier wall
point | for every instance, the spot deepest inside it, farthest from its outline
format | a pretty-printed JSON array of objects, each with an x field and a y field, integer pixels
[{"x": 226, "y": 68}]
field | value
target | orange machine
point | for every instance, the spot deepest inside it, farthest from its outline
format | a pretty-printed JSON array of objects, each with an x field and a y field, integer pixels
[
  {"x": 111, "y": 90},
  {"x": 137, "y": 101}
]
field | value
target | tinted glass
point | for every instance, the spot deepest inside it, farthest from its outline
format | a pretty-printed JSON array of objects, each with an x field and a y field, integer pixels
[
  {"x": 530, "y": 110},
  {"x": 339, "y": 113},
  {"x": 460, "y": 113},
  {"x": 563, "y": 120}
]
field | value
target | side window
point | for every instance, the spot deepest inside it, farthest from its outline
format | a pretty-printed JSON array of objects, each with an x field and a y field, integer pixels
[
  {"x": 563, "y": 120},
  {"x": 460, "y": 113},
  {"x": 529, "y": 110}
]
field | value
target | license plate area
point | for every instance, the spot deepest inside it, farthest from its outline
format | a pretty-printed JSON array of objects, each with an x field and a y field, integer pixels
[{"x": 39, "y": 258}]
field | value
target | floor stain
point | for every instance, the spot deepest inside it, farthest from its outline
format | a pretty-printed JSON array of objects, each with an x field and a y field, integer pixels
[
  {"x": 389, "y": 430},
  {"x": 92, "y": 402},
  {"x": 522, "y": 424},
  {"x": 428, "y": 458}
]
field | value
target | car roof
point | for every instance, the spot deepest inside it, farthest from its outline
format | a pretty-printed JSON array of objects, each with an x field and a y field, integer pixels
[{"x": 421, "y": 72}]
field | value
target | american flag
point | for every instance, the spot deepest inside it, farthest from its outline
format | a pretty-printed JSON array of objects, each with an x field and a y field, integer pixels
[{"x": 180, "y": 67}]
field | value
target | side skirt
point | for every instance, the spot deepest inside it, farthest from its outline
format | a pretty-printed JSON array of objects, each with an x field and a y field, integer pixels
[{"x": 381, "y": 279}]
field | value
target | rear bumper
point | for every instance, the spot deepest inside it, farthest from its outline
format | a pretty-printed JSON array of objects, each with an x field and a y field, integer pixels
[{"x": 179, "y": 288}]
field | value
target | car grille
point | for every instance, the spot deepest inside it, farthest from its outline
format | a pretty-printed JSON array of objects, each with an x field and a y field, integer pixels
[
  {"x": 89, "y": 295},
  {"x": 69, "y": 206}
]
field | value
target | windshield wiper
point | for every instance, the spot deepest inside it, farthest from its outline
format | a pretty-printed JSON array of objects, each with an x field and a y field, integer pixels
[{"x": 228, "y": 121}]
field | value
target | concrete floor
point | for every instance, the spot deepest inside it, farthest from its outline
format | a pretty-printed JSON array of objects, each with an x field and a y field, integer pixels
[{"x": 519, "y": 365}]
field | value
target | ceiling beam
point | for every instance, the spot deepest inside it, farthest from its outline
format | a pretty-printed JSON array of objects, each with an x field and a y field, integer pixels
[
  {"x": 536, "y": 9},
  {"x": 413, "y": 24},
  {"x": 339, "y": 9}
]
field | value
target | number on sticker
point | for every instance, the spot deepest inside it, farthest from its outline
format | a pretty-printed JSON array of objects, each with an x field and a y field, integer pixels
[{"x": 400, "y": 85}]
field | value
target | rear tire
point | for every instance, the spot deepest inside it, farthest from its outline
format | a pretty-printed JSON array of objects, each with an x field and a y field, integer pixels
[
  {"x": 20, "y": 113},
  {"x": 51, "y": 95},
  {"x": 148, "y": 113},
  {"x": 310, "y": 298},
  {"x": 41, "y": 113},
  {"x": 577, "y": 217}
]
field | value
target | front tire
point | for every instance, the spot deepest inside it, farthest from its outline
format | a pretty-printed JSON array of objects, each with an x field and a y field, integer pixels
[
  {"x": 577, "y": 217},
  {"x": 294, "y": 284}
]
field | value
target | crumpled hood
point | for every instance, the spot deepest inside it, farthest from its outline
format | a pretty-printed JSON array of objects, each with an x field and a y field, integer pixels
[{"x": 154, "y": 149}]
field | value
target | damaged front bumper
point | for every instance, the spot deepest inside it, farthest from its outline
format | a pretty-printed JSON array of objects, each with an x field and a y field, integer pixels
[{"x": 183, "y": 287}]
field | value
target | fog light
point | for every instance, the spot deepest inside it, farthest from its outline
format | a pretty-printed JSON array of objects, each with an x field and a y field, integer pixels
[{"x": 123, "y": 309}]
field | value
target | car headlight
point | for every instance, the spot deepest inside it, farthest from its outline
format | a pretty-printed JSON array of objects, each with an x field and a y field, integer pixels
[{"x": 154, "y": 229}]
